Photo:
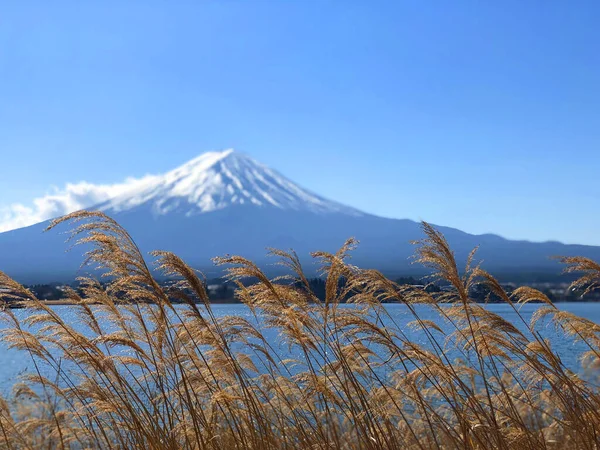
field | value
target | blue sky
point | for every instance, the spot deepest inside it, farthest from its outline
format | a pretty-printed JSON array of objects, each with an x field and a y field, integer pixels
[{"x": 484, "y": 116}]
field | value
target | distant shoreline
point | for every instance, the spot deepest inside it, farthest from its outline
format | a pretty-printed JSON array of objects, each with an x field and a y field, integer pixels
[{"x": 66, "y": 302}]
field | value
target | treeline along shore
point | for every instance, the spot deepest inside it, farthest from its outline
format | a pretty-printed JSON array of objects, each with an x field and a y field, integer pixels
[{"x": 222, "y": 291}]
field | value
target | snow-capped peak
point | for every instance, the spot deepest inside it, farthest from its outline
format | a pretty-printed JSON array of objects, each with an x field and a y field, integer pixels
[{"x": 217, "y": 180}]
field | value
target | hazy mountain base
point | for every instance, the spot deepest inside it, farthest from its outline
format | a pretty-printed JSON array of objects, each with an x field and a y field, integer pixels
[
  {"x": 167, "y": 378},
  {"x": 32, "y": 256}
]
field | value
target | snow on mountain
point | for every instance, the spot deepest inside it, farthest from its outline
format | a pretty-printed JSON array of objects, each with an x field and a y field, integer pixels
[{"x": 216, "y": 180}]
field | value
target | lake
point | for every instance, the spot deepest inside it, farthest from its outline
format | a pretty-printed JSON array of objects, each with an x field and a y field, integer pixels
[{"x": 13, "y": 362}]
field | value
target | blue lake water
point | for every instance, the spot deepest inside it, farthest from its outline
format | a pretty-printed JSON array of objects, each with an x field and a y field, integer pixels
[{"x": 13, "y": 362}]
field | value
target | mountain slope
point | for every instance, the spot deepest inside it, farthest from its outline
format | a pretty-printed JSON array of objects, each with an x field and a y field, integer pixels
[
  {"x": 225, "y": 202},
  {"x": 217, "y": 180}
]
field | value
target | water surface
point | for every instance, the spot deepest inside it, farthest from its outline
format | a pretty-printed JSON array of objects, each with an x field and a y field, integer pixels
[{"x": 13, "y": 362}]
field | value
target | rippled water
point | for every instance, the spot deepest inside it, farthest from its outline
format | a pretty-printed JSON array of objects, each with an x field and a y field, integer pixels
[{"x": 13, "y": 363}]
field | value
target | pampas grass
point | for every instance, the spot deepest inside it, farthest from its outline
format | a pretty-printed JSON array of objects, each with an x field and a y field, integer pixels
[{"x": 140, "y": 372}]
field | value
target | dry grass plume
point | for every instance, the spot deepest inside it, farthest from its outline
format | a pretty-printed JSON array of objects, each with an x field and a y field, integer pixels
[{"x": 148, "y": 367}]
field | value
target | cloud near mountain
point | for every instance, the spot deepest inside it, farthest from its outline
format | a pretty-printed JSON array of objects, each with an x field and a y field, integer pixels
[
  {"x": 72, "y": 197},
  {"x": 211, "y": 181}
]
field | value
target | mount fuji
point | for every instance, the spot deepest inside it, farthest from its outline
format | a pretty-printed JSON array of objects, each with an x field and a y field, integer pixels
[
  {"x": 218, "y": 180},
  {"x": 227, "y": 203}
]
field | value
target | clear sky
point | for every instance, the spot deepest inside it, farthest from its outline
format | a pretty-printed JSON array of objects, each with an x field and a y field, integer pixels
[{"x": 483, "y": 116}]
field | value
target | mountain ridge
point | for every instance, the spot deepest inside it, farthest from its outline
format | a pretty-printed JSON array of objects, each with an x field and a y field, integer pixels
[{"x": 196, "y": 211}]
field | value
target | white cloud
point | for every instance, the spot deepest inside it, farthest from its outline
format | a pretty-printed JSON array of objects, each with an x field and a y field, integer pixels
[{"x": 73, "y": 197}]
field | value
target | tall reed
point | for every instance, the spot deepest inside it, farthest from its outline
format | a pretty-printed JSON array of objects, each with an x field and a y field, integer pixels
[{"x": 141, "y": 370}]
